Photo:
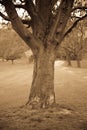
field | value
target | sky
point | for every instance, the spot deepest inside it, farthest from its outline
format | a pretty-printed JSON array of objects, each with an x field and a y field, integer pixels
[{"x": 20, "y": 12}]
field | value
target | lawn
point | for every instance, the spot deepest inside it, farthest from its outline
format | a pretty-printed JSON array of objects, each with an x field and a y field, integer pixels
[{"x": 70, "y": 113}]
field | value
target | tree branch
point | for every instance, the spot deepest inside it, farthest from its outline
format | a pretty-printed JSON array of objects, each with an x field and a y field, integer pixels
[
  {"x": 19, "y": 6},
  {"x": 24, "y": 21},
  {"x": 4, "y": 17},
  {"x": 44, "y": 12},
  {"x": 74, "y": 25},
  {"x": 18, "y": 26},
  {"x": 61, "y": 20},
  {"x": 79, "y": 7},
  {"x": 30, "y": 7}
]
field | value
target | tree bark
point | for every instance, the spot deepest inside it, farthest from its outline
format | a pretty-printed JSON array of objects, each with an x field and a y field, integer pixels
[{"x": 42, "y": 93}]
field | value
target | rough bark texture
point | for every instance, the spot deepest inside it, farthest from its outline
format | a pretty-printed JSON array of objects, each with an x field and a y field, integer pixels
[{"x": 42, "y": 90}]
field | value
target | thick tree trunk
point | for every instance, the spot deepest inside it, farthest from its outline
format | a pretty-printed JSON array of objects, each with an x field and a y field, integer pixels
[{"x": 42, "y": 93}]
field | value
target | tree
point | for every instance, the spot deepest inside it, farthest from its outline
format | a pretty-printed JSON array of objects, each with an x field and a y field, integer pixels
[
  {"x": 9, "y": 49},
  {"x": 75, "y": 49},
  {"x": 48, "y": 20}
]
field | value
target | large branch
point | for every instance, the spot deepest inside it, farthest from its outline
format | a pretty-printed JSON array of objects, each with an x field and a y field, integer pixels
[
  {"x": 44, "y": 9},
  {"x": 19, "y": 6},
  {"x": 30, "y": 7},
  {"x": 24, "y": 21},
  {"x": 18, "y": 25},
  {"x": 4, "y": 17},
  {"x": 61, "y": 20},
  {"x": 74, "y": 25}
]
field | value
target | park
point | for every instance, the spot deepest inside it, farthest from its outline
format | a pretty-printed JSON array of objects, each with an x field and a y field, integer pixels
[
  {"x": 71, "y": 98},
  {"x": 43, "y": 65}
]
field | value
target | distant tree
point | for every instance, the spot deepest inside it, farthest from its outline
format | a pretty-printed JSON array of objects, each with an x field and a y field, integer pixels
[
  {"x": 48, "y": 21},
  {"x": 13, "y": 52},
  {"x": 74, "y": 49},
  {"x": 11, "y": 49},
  {"x": 2, "y": 51}
]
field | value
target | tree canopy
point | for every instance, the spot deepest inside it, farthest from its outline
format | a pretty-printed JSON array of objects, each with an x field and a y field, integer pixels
[
  {"x": 47, "y": 19},
  {"x": 11, "y": 49}
]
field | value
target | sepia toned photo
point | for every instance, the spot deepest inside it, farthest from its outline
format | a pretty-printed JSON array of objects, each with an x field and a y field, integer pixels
[{"x": 43, "y": 64}]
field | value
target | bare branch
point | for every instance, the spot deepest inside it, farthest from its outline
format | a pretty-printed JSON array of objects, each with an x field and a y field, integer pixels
[
  {"x": 30, "y": 7},
  {"x": 27, "y": 22},
  {"x": 4, "y": 17},
  {"x": 19, "y": 6},
  {"x": 79, "y": 7},
  {"x": 53, "y": 2},
  {"x": 18, "y": 26},
  {"x": 24, "y": 21},
  {"x": 74, "y": 25},
  {"x": 61, "y": 20}
]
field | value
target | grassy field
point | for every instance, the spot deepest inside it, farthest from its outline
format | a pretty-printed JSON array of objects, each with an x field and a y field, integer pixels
[{"x": 71, "y": 96}]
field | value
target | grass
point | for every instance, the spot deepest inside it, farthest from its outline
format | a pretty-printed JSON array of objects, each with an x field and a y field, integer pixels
[{"x": 71, "y": 96}]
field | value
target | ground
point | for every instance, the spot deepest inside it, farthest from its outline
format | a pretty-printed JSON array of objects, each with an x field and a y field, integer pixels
[{"x": 70, "y": 113}]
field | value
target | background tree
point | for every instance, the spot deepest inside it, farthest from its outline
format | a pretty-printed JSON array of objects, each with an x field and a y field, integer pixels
[
  {"x": 11, "y": 49},
  {"x": 48, "y": 20},
  {"x": 75, "y": 49}
]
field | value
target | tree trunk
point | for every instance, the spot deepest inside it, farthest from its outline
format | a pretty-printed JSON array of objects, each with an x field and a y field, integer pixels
[
  {"x": 78, "y": 63},
  {"x": 78, "y": 60},
  {"x": 69, "y": 60},
  {"x": 12, "y": 62},
  {"x": 42, "y": 93}
]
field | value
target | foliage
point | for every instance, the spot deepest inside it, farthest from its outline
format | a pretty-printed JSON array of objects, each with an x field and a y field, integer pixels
[
  {"x": 44, "y": 17},
  {"x": 74, "y": 46},
  {"x": 11, "y": 47}
]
